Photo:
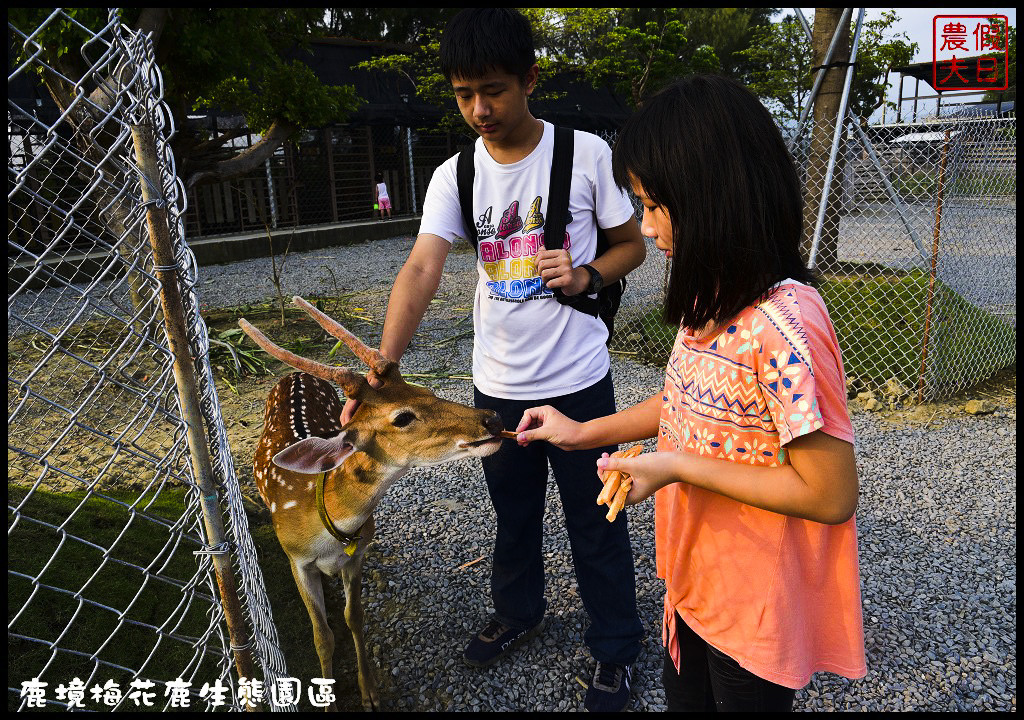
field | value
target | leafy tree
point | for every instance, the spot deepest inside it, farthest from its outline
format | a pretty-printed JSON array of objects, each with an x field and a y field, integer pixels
[
  {"x": 227, "y": 60},
  {"x": 633, "y": 52},
  {"x": 391, "y": 25},
  {"x": 782, "y": 77}
]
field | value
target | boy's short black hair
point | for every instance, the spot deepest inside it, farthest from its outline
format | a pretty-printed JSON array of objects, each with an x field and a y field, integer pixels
[
  {"x": 480, "y": 40},
  {"x": 707, "y": 151}
]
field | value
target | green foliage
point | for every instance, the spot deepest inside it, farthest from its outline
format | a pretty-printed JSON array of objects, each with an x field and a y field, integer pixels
[
  {"x": 780, "y": 56},
  {"x": 875, "y": 56},
  {"x": 634, "y": 59},
  {"x": 422, "y": 67},
  {"x": 114, "y": 600},
  {"x": 288, "y": 90},
  {"x": 247, "y": 61},
  {"x": 243, "y": 60},
  {"x": 879, "y": 321},
  {"x": 633, "y": 52}
]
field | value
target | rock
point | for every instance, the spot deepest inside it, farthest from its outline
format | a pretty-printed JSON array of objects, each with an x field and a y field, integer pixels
[
  {"x": 866, "y": 395},
  {"x": 979, "y": 407},
  {"x": 873, "y": 405},
  {"x": 895, "y": 388},
  {"x": 854, "y": 385}
]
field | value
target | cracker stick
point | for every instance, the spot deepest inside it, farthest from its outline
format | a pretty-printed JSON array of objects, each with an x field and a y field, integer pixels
[
  {"x": 509, "y": 434},
  {"x": 616, "y": 500},
  {"x": 632, "y": 452},
  {"x": 610, "y": 486},
  {"x": 620, "y": 499},
  {"x": 609, "y": 489}
]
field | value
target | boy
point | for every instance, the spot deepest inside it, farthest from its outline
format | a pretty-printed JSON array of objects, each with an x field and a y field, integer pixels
[{"x": 529, "y": 348}]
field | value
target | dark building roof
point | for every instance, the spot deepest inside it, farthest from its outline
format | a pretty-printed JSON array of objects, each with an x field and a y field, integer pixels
[
  {"x": 391, "y": 98},
  {"x": 967, "y": 66}
]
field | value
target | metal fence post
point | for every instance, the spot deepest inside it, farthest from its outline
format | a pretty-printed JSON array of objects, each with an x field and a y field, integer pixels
[
  {"x": 836, "y": 138},
  {"x": 186, "y": 381},
  {"x": 931, "y": 274}
]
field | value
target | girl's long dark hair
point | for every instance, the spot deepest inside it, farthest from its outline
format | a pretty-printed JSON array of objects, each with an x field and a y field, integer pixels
[{"x": 707, "y": 152}]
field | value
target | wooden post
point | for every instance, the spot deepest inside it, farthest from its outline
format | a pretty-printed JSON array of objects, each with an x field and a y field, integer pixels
[
  {"x": 188, "y": 392},
  {"x": 931, "y": 274}
]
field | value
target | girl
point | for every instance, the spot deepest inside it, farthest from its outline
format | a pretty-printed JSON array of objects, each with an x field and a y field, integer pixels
[
  {"x": 380, "y": 196},
  {"x": 754, "y": 479}
]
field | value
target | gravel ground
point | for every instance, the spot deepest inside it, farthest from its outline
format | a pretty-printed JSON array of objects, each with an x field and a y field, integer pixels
[{"x": 936, "y": 521}]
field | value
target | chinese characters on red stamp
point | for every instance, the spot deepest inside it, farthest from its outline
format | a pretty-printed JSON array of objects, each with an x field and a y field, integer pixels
[{"x": 970, "y": 52}]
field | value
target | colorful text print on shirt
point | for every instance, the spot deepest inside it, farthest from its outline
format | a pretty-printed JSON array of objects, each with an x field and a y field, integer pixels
[{"x": 511, "y": 265}]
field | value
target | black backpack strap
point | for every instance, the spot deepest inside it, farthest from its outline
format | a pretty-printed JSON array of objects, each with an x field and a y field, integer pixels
[
  {"x": 558, "y": 189},
  {"x": 558, "y": 213},
  {"x": 465, "y": 171}
]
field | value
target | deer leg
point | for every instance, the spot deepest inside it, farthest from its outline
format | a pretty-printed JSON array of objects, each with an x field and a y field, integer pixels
[
  {"x": 311, "y": 589},
  {"x": 352, "y": 575}
]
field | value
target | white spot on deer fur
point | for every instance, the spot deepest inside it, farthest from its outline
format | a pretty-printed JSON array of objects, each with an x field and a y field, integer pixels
[
  {"x": 309, "y": 486},
  {"x": 289, "y": 504},
  {"x": 273, "y": 507}
]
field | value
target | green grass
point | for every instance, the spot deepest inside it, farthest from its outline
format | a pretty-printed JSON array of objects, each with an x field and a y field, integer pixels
[
  {"x": 82, "y": 629},
  {"x": 879, "y": 320},
  {"x": 112, "y": 606}
]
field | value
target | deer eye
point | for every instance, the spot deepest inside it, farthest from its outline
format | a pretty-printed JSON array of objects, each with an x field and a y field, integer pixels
[{"x": 403, "y": 418}]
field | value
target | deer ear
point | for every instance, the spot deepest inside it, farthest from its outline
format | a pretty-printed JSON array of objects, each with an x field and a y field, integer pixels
[{"x": 316, "y": 455}]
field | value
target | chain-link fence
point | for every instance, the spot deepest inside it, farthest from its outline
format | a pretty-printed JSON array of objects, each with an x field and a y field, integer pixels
[
  {"x": 916, "y": 255},
  {"x": 115, "y": 578}
]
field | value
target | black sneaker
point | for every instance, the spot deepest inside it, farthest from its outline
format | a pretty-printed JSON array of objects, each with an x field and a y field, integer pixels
[
  {"x": 495, "y": 640},
  {"x": 609, "y": 689}
]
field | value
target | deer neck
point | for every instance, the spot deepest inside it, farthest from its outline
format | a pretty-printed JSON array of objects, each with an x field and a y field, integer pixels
[{"x": 352, "y": 491}]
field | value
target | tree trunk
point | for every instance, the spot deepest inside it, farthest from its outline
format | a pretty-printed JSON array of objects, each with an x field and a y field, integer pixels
[{"x": 826, "y": 108}]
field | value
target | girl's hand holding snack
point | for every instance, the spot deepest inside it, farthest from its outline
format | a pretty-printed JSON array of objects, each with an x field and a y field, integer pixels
[
  {"x": 546, "y": 423},
  {"x": 649, "y": 472}
]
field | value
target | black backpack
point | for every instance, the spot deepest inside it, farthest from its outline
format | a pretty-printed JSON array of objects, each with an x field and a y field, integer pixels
[{"x": 608, "y": 299}]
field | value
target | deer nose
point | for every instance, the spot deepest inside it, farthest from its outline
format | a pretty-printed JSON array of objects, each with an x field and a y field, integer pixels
[{"x": 492, "y": 422}]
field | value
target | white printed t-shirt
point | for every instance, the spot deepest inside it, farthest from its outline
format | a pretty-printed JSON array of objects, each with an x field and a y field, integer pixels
[{"x": 527, "y": 345}]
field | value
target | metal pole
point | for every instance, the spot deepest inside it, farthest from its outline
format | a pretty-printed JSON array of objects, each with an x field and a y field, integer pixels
[
  {"x": 412, "y": 174},
  {"x": 188, "y": 393},
  {"x": 836, "y": 137},
  {"x": 889, "y": 189},
  {"x": 807, "y": 27},
  {"x": 820, "y": 76},
  {"x": 932, "y": 273}
]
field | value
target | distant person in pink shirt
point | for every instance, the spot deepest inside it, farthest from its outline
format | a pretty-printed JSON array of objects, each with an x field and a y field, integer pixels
[
  {"x": 754, "y": 477},
  {"x": 380, "y": 196}
]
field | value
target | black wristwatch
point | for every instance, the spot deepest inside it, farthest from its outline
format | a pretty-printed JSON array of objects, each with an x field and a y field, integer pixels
[{"x": 596, "y": 280}]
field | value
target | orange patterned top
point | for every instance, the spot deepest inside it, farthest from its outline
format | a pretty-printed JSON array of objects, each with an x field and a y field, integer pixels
[{"x": 780, "y": 595}]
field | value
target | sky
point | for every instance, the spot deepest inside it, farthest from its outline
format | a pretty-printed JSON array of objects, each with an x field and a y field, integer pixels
[{"x": 916, "y": 23}]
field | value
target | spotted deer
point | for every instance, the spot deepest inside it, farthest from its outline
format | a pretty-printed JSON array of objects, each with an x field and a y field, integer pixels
[{"x": 322, "y": 481}]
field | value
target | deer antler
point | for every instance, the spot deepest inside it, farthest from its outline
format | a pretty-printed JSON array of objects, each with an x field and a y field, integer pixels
[
  {"x": 352, "y": 382},
  {"x": 373, "y": 358}
]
